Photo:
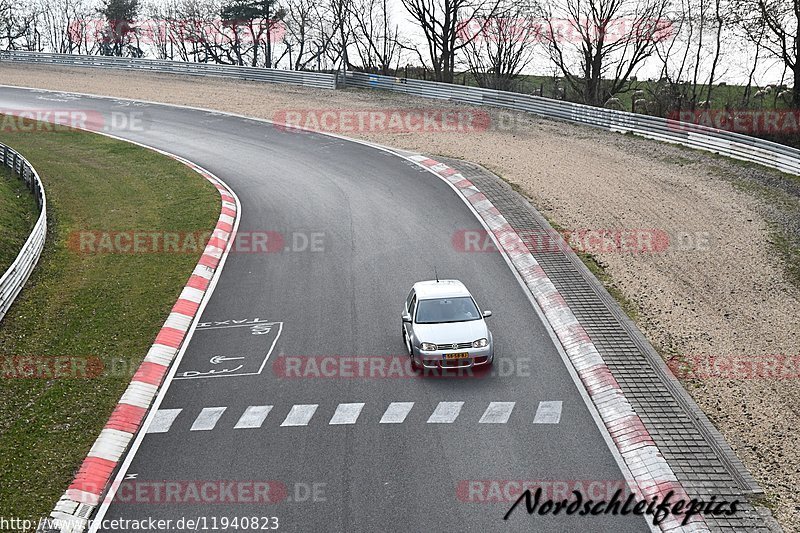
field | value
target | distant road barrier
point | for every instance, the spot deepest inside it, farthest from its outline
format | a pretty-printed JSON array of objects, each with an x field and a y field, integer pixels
[
  {"x": 736, "y": 145},
  {"x": 295, "y": 77},
  {"x": 14, "y": 278}
]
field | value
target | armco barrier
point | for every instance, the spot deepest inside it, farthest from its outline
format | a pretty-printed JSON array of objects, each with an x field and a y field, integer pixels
[
  {"x": 17, "y": 274},
  {"x": 296, "y": 77},
  {"x": 727, "y": 143}
]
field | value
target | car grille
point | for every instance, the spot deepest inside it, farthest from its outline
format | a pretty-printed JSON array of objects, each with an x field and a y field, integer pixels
[{"x": 458, "y": 346}]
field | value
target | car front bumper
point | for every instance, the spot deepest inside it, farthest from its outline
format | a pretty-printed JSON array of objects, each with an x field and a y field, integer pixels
[{"x": 436, "y": 359}]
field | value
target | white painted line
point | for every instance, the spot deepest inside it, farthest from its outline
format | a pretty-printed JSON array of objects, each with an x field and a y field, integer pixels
[
  {"x": 396, "y": 413},
  {"x": 253, "y": 417},
  {"x": 346, "y": 413},
  {"x": 497, "y": 413},
  {"x": 201, "y": 327},
  {"x": 445, "y": 413},
  {"x": 300, "y": 415},
  {"x": 548, "y": 413},
  {"x": 207, "y": 419},
  {"x": 238, "y": 374},
  {"x": 163, "y": 420}
]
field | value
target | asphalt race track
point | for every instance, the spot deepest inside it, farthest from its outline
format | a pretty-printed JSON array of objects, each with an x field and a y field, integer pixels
[{"x": 376, "y": 224}]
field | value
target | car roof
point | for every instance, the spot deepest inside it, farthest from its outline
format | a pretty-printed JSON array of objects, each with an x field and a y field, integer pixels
[{"x": 445, "y": 288}]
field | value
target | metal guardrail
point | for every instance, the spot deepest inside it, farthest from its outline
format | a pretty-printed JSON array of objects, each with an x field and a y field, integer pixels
[
  {"x": 14, "y": 278},
  {"x": 296, "y": 77},
  {"x": 736, "y": 145}
]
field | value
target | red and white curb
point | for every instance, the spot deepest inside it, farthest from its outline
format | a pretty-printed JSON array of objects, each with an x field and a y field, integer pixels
[
  {"x": 651, "y": 473},
  {"x": 75, "y": 507}
]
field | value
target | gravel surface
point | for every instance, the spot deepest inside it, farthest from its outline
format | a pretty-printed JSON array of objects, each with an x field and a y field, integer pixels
[{"x": 720, "y": 289}]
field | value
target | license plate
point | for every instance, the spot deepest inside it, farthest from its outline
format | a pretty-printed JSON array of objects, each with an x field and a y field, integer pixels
[{"x": 456, "y": 355}]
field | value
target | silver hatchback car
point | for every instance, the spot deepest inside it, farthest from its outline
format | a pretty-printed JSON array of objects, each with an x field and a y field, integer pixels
[{"x": 444, "y": 328}]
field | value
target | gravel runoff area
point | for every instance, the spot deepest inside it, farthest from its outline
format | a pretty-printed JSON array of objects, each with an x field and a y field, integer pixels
[{"x": 724, "y": 286}]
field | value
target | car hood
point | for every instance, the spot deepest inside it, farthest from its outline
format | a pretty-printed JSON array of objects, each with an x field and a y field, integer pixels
[{"x": 452, "y": 332}]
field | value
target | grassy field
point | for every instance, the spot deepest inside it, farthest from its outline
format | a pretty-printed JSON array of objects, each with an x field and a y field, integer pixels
[
  {"x": 18, "y": 214},
  {"x": 107, "y": 306}
]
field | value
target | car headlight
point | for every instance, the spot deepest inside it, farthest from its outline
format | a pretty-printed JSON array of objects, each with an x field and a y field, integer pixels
[
  {"x": 428, "y": 347},
  {"x": 480, "y": 343}
]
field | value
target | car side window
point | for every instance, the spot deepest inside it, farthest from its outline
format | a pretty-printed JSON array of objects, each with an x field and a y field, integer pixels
[
  {"x": 409, "y": 300},
  {"x": 412, "y": 305}
]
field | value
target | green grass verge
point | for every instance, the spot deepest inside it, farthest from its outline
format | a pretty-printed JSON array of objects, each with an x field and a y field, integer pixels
[
  {"x": 109, "y": 306},
  {"x": 18, "y": 214}
]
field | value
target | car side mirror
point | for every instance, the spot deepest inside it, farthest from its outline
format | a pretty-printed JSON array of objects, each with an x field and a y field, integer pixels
[
  {"x": 487, "y": 314},
  {"x": 406, "y": 317}
]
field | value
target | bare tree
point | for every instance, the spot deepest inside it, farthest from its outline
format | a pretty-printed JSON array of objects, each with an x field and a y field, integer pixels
[
  {"x": 504, "y": 46},
  {"x": 599, "y": 44},
  {"x": 64, "y": 25},
  {"x": 778, "y": 20},
  {"x": 442, "y": 23},
  {"x": 310, "y": 34},
  {"x": 375, "y": 37},
  {"x": 17, "y": 24},
  {"x": 689, "y": 63}
]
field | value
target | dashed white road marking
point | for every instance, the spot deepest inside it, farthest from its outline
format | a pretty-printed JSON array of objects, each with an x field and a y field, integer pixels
[
  {"x": 346, "y": 413},
  {"x": 253, "y": 417},
  {"x": 497, "y": 413},
  {"x": 207, "y": 419},
  {"x": 396, "y": 413},
  {"x": 445, "y": 413},
  {"x": 300, "y": 415},
  {"x": 163, "y": 420},
  {"x": 548, "y": 413}
]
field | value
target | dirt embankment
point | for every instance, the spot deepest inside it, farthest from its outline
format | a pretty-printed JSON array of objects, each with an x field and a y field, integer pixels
[{"x": 721, "y": 287}]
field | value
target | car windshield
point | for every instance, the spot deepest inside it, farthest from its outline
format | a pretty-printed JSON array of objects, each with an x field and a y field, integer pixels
[{"x": 446, "y": 310}]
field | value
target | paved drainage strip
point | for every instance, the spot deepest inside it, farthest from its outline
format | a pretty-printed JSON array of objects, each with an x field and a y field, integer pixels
[{"x": 701, "y": 459}]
